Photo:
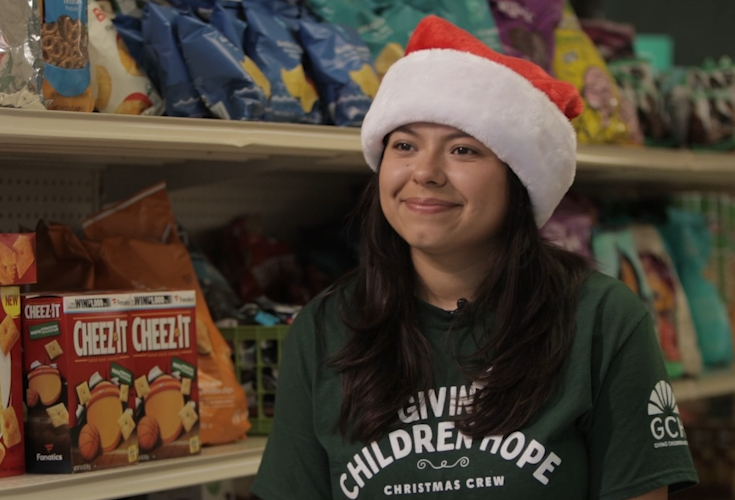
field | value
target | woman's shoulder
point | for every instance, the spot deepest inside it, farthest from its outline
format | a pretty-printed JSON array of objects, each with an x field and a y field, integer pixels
[{"x": 607, "y": 306}]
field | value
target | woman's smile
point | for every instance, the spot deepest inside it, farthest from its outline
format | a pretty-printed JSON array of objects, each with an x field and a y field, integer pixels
[{"x": 429, "y": 206}]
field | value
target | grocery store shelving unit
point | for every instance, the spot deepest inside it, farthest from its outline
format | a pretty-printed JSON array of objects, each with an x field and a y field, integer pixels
[
  {"x": 63, "y": 166},
  {"x": 214, "y": 464}
]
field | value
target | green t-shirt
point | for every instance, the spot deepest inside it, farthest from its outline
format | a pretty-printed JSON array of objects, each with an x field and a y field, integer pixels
[{"x": 612, "y": 432}]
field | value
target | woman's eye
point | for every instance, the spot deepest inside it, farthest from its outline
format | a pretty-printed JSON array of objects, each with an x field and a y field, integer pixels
[
  {"x": 402, "y": 146},
  {"x": 463, "y": 150}
]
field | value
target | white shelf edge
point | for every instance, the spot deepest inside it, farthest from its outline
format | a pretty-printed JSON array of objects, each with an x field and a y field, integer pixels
[
  {"x": 215, "y": 463},
  {"x": 708, "y": 385},
  {"x": 94, "y": 138}
]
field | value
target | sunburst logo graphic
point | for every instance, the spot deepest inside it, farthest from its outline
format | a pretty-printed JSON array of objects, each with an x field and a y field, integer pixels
[
  {"x": 666, "y": 426},
  {"x": 662, "y": 400}
]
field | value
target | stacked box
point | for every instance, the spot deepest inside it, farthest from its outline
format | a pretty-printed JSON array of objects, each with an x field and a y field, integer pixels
[
  {"x": 164, "y": 349},
  {"x": 17, "y": 266},
  {"x": 78, "y": 380}
]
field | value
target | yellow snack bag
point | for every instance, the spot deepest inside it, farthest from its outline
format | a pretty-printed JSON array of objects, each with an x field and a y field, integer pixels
[{"x": 577, "y": 61}]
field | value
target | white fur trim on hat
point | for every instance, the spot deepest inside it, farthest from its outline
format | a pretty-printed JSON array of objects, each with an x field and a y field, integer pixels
[{"x": 488, "y": 101}]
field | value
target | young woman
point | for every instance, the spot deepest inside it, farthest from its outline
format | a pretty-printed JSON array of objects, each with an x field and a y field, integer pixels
[{"x": 466, "y": 358}]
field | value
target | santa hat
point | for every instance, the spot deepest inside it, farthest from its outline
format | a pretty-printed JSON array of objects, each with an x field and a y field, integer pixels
[{"x": 449, "y": 77}]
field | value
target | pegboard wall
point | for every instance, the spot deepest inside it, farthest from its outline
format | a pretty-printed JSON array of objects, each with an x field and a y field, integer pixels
[
  {"x": 61, "y": 195},
  {"x": 285, "y": 202}
]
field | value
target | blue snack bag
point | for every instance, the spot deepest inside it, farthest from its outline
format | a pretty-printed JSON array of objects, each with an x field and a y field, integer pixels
[
  {"x": 130, "y": 30},
  {"x": 159, "y": 33},
  {"x": 218, "y": 69},
  {"x": 342, "y": 68},
  {"x": 270, "y": 44}
]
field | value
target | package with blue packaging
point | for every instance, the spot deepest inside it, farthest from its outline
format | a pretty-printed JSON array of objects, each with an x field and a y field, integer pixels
[
  {"x": 219, "y": 71},
  {"x": 159, "y": 34},
  {"x": 342, "y": 68},
  {"x": 270, "y": 44}
]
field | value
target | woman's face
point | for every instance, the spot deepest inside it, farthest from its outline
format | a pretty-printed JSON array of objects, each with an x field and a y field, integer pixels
[{"x": 441, "y": 190}]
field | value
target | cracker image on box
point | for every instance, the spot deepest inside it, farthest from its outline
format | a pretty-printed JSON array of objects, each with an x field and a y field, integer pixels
[
  {"x": 9, "y": 334},
  {"x": 164, "y": 341},
  {"x": 78, "y": 378},
  {"x": 54, "y": 349},
  {"x": 9, "y": 427}
]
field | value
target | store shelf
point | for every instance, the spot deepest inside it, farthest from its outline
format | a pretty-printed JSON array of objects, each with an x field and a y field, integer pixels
[
  {"x": 95, "y": 140},
  {"x": 214, "y": 464},
  {"x": 708, "y": 385}
]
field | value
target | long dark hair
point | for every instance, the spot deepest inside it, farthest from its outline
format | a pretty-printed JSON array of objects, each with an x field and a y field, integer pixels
[{"x": 520, "y": 356}]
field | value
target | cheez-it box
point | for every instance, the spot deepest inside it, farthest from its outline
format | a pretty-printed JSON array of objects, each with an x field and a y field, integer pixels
[
  {"x": 163, "y": 341},
  {"x": 12, "y": 452},
  {"x": 78, "y": 382}
]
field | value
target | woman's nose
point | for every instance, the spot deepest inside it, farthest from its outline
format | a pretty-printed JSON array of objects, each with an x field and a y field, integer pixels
[{"x": 429, "y": 169}]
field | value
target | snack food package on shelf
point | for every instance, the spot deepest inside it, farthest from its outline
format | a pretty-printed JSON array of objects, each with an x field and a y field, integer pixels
[
  {"x": 292, "y": 96},
  {"x": 65, "y": 44},
  {"x": 135, "y": 245},
  {"x": 373, "y": 28},
  {"x": 617, "y": 256},
  {"x": 62, "y": 260},
  {"x": 17, "y": 267},
  {"x": 677, "y": 335},
  {"x": 21, "y": 64},
  {"x": 638, "y": 84},
  {"x": 570, "y": 226},
  {"x": 118, "y": 84},
  {"x": 78, "y": 377},
  {"x": 12, "y": 442},
  {"x": 712, "y": 118},
  {"x": 163, "y": 344},
  {"x": 613, "y": 40},
  {"x": 690, "y": 243},
  {"x": 527, "y": 27},
  {"x": 159, "y": 27},
  {"x": 577, "y": 61},
  {"x": 220, "y": 71},
  {"x": 342, "y": 69}
]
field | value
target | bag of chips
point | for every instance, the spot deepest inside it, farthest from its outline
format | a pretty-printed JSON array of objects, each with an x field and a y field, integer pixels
[
  {"x": 65, "y": 41},
  {"x": 675, "y": 327},
  {"x": 118, "y": 84},
  {"x": 270, "y": 44},
  {"x": 577, "y": 61},
  {"x": 220, "y": 72},
  {"x": 342, "y": 69},
  {"x": 527, "y": 28},
  {"x": 21, "y": 66},
  {"x": 159, "y": 33}
]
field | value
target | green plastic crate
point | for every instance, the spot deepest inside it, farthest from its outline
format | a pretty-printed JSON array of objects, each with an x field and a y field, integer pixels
[{"x": 245, "y": 335}]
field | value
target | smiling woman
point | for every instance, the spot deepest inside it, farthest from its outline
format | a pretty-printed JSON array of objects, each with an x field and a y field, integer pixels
[{"x": 467, "y": 357}]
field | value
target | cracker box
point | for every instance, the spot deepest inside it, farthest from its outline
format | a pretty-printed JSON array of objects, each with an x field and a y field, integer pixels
[
  {"x": 17, "y": 258},
  {"x": 78, "y": 376},
  {"x": 163, "y": 341},
  {"x": 12, "y": 452}
]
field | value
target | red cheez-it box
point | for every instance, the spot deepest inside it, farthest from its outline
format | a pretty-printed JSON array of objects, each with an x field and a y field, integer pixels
[
  {"x": 78, "y": 382},
  {"x": 163, "y": 341},
  {"x": 12, "y": 452}
]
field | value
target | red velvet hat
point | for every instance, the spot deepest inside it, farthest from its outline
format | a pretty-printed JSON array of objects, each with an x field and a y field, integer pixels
[{"x": 511, "y": 105}]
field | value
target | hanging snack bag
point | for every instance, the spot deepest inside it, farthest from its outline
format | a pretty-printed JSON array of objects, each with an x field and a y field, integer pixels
[
  {"x": 21, "y": 65},
  {"x": 577, "y": 61},
  {"x": 690, "y": 243},
  {"x": 118, "y": 84},
  {"x": 374, "y": 30},
  {"x": 342, "y": 68},
  {"x": 269, "y": 43},
  {"x": 159, "y": 33},
  {"x": 675, "y": 326},
  {"x": 527, "y": 28},
  {"x": 64, "y": 39},
  {"x": 219, "y": 71}
]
